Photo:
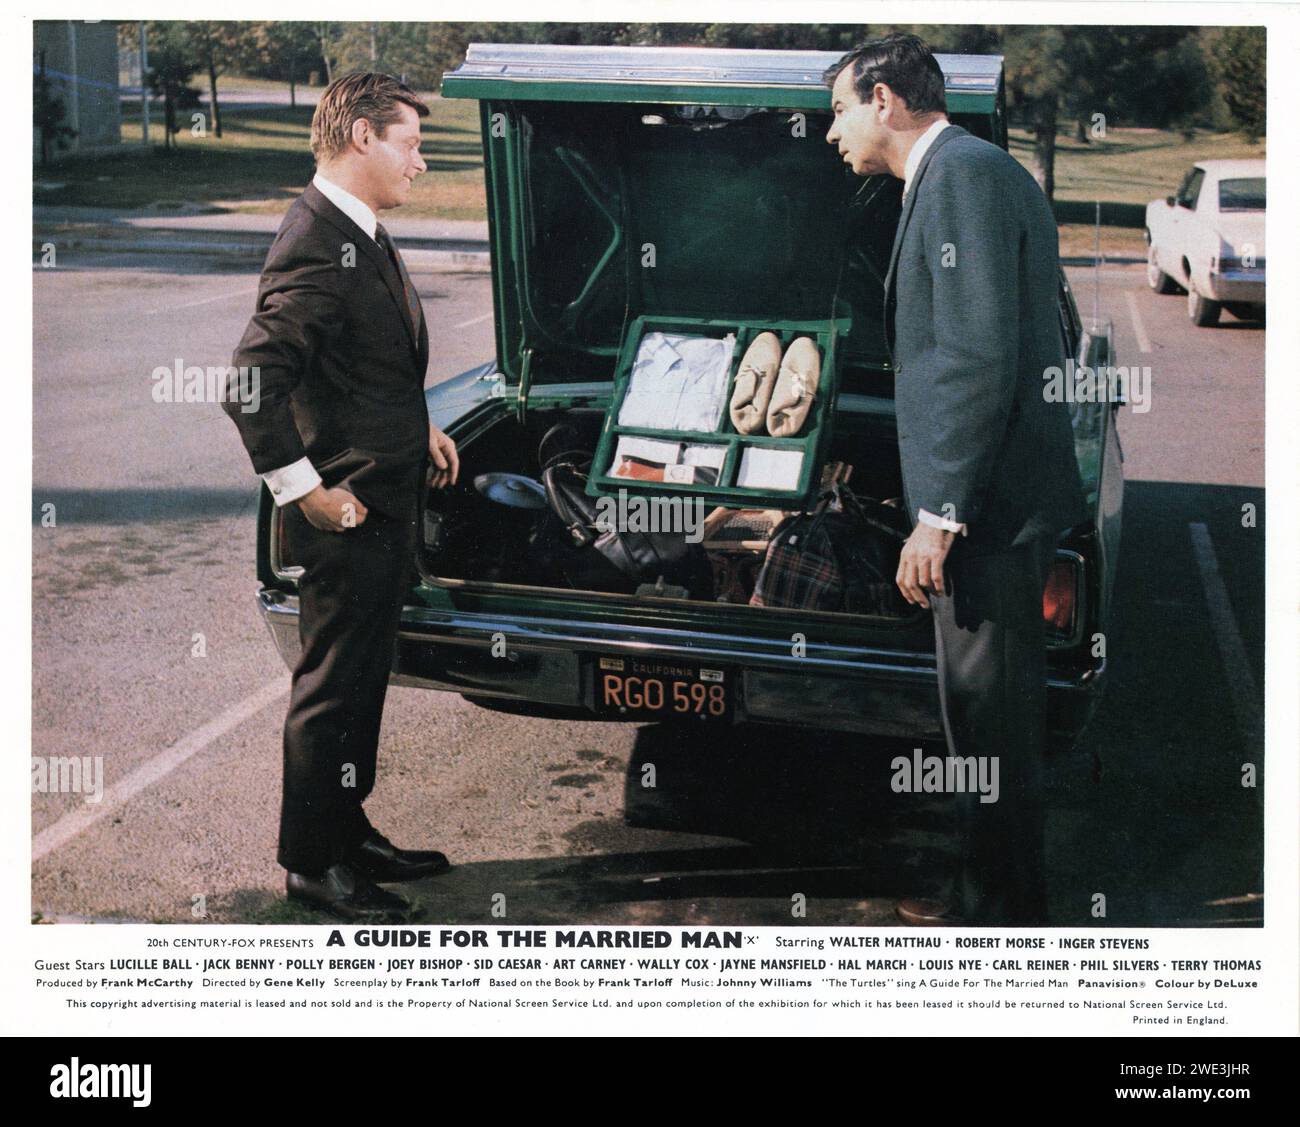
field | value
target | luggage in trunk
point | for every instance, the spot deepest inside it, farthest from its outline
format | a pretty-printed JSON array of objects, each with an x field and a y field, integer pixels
[{"x": 714, "y": 554}]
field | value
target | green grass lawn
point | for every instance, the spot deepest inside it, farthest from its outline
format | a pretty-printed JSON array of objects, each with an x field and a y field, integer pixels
[
  {"x": 248, "y": 85},
  {"x": 1131, "y": 166},
  {"x": 261, "y": 163},
  {"x": 1125, "y": 171}
]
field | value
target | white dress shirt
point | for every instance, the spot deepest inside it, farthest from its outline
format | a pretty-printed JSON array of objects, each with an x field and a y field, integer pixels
[
  {"x": 289, "y": 483},
  {"x": 346, "y": 202},
  {"x": 678, "y": 382},
  {"x": 919, "y": 148}
]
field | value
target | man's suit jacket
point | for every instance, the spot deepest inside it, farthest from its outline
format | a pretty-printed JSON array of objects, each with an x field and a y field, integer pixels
[
  {"x": 341, "y": 367},
  {"x": 973, "y": 321}
]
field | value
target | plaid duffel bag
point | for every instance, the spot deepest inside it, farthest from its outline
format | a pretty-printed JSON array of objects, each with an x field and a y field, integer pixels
[{"x": 840, "y": 556}]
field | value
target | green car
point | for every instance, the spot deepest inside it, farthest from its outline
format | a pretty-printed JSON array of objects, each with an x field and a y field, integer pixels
[{"x": 634, "y": 188}]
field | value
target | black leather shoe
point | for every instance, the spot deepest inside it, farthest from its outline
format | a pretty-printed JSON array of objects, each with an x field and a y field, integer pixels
[
  {"x": 380, "y": 860},
  {"x": 349, "y": 895}
]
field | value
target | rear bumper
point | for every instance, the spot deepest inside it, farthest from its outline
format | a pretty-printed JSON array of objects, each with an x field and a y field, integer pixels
[
  {"x": 1245, "y": 286},
  {"x": 541, "y": 662}
]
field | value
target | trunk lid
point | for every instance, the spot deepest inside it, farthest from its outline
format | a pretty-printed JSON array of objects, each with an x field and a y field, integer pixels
[{"x": 627, "y": 182}]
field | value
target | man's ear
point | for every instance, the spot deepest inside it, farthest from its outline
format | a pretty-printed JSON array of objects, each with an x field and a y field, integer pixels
[
  {"x": 889, "y": 106},
  {"x": 361, "y": 133},
  {"x": 880, "y": 100}
]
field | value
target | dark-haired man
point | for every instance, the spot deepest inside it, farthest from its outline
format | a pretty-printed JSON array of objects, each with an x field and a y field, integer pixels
[
  {"x": 342, "y": 440},
  {"x": 989, "y": 474}
]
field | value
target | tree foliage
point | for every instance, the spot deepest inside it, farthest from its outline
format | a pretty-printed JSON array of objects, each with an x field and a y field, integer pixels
[
  {"x": 221, "y": 46},
  {"x": 289, "y": 50},
  {"x": 1056, "y": 76},
  {"x": 173, "y": 59},
  {"x": 1237, "y": 59},
  {"x": 48, "y": 112}
]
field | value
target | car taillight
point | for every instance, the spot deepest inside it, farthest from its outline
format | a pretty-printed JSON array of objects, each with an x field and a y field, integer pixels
[{"x": 1061, "y": 596}]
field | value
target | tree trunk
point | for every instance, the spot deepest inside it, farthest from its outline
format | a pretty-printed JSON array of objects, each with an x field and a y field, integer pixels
[
  {"x": 293, "y": 101},
  {"x": 325, "y": 55},
  {"x": 1045, "y": 147},
  {"x": 1081, "y": 132},
  {"x": 212, "y": 96}
]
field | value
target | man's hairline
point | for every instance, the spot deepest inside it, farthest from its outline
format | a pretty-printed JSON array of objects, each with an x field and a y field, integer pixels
[
  {"x": 378, "y": 131},
  {"x": 930, "y": 114},
  {"x": 851, "y": 66}
]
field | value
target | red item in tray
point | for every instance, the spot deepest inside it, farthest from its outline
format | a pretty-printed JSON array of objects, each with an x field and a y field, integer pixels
[
  {"x": 638, "y": 468},
  {"x": 680, "y": 473}
]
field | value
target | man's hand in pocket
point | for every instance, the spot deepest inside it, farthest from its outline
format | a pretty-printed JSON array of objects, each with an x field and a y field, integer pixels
[{"x": 332, "y": 510}]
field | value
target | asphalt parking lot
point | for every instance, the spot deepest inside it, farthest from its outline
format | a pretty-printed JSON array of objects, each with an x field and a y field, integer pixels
[{"x": 148, "y": 653}]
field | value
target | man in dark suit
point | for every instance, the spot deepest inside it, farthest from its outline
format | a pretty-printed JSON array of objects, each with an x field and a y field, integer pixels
[
  {"x": 989, "y": 473},
  {"x": 343, "y": 441}
]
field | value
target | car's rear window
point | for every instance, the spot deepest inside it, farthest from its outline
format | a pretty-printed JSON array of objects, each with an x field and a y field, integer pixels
[{"x": 1245, "y": 194}]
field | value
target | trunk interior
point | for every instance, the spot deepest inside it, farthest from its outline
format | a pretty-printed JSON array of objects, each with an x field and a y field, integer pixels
[{"x": 469, "y": 538}]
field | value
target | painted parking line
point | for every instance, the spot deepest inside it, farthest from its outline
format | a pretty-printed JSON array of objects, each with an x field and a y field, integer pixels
[
  {"x": 472, "y": 321},
  {"x": 1236, "y": 667},
  {"x": 243, "y": 291},
  {"x": 1139, "y": 330},
  {"x": 148, "y": 773}
]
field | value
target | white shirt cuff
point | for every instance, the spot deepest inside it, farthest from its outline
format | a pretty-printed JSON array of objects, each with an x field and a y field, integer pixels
[
  {"x": 288, "y": 483},
  {"x": 933, "y": 521}
]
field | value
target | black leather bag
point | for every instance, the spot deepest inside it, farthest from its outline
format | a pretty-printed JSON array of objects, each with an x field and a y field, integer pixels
[{"x": 571, "y": 546}]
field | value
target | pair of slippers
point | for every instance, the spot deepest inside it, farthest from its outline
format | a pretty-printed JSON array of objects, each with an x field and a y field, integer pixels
[{"x": 773, "y": 391}]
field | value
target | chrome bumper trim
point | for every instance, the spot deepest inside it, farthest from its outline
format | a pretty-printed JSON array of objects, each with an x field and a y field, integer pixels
[{"x": 478, "y": 630}]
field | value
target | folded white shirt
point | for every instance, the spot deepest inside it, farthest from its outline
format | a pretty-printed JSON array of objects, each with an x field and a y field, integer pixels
[{"x": 678, "y": 382}]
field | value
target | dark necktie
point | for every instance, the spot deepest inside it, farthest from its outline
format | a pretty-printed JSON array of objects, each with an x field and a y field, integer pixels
[{"x": 412, "y": 298}]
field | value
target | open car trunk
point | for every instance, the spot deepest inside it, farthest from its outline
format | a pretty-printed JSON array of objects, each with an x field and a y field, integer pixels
[
  {"x": 634, "y": 193},
  {"x": 708, "y": 206},
  {"x": 470, "y": 538}
]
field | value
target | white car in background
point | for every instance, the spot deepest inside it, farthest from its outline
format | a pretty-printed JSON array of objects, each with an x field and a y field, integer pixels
[{"x": 1208, "y": 239}]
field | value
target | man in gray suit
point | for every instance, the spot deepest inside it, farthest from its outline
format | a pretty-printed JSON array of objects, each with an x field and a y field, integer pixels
[{"x": 989, "y": 474}]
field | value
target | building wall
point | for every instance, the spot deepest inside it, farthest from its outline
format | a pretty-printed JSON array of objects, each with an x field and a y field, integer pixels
[{"x": 81, "y": 64}]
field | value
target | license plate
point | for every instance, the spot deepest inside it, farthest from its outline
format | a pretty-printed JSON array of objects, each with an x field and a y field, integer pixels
[{"x": 628, "y": 686}]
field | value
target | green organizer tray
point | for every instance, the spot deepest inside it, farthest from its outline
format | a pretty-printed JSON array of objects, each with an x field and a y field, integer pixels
[{"x": 812, "y": 441}]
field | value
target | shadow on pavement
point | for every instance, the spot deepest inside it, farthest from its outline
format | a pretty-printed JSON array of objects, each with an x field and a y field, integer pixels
[{"x": 1168, "y": 837}]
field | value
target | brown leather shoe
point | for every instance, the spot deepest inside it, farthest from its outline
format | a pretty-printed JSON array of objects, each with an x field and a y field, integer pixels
[{"x": 928, "y": 913}]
